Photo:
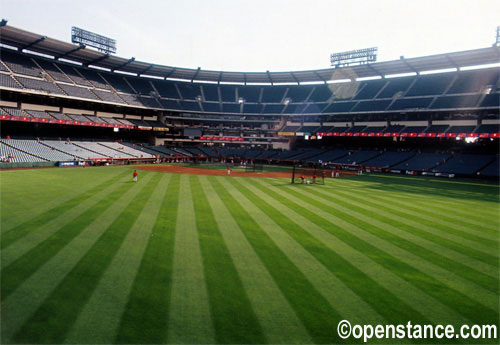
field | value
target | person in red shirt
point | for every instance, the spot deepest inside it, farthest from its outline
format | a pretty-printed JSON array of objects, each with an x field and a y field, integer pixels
[
  {"x": 302, "y": 178},
  {"x": 228, "y": 170},
  {"x": 135, "y": 176}
]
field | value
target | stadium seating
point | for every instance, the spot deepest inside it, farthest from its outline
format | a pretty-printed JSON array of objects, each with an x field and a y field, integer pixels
[
  {"x": 493, "y": 169},
  {"x": 473, "y": 81},
  {"x": 273, "y": 94},
  {"x": 396, "y": 86},
  {"x": 375, "y": 105},
  {"x": 118, "y": 83},
  {"x": 388, "y": 159},
  {"x": 74, "y": 75},
  {"x": 38, "y": 114},
  {"x": 328, "y": 156},
  {"x": 359, "y": 157},
  {"x": 53, "y": 71},
  {"x": 337, "y": 107},
  {"x": 423, "y": 161},
  {"x": 488, "y": 129},
  {"x": 10, "y": 154},
  {"x": 433, "y": 84},
  {"x": 465, "y": 164},
  {"x": 38, "y": 149},
  {"x": 72, "y": 149},
  {"x": 459, "y": 90},
  {"x": 125, "y": 150},
  {"x": 451, "y": 102},
  {"x": 108, "y": 96},
  {"x": 94, "y": 78},
  {"x": 78, "y": 91},
  {"x": 437, "y": 129},
  {"x": 39, "y": 85},
  {"x": 370, "y": 89},
  {"x": 7, "y": 81},
  {"x": 19, "y": 63}
]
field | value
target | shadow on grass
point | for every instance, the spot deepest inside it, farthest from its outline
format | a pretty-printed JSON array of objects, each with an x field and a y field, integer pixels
[{"x": 457, "y": 189}]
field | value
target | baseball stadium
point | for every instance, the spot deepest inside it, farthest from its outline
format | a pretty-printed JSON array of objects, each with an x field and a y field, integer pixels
[{"x": 143, "y": 203}]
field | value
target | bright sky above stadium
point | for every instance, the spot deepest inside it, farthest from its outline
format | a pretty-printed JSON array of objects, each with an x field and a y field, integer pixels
[{"x": 260, "y": 35}]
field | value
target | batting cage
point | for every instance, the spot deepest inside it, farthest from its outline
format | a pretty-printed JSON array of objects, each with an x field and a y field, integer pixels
[{"x": 314, "y": 175}]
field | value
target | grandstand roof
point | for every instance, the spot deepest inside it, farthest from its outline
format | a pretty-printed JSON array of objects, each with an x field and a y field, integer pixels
[{"x": 22, "y": 39}]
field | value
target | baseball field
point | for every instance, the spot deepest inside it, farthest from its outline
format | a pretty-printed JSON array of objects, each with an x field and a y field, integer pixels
[{"x": 90, "y": 257}]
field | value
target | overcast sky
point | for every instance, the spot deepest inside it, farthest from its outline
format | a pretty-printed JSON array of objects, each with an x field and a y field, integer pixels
[{"x": 260, "y": 35}]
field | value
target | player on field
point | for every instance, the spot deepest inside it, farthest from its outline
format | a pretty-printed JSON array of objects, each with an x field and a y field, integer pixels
[
  {"x": 134, "y": 176},
  {"x": 228, "y": 170}
]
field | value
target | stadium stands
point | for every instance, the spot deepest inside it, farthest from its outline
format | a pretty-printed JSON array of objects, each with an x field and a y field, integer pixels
[
  {"x": 455, "y": 90},
  {"x": 7, "y": 81},
  {"x": 38, "y": 149},
  {"x": 423, "y": 161},
  {"x": 359, "y": 157},
  {"x": 465, "y": 164},
  {"x": 493, "y": 169},
  {"x": 225, "y": 111},
  {"x": 388, "y": 159}
]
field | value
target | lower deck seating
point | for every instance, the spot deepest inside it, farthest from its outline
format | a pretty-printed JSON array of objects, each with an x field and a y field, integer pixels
[
  {"x": 357, "y": 157},
  {"x": 72, "y": 149},
  {"x": 124, "y": 149},
  {"x": 101, "y": 149},
  {"x": 388, "y": 159},
  {"x": 423, "y": 161},
  {"x": 493, "y": 169},
  {"x": 465, "y": 164},
  {"x": 328, "y": 156},
  {"x": 12, "y": 155},
  {"x": 38, "y": 149}
]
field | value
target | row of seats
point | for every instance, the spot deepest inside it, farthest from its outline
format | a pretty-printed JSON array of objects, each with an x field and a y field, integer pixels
[
  {"x": 465, "y": 89},
  {"x": 465, "y": 164},
  {"x": 484, "y": 128},
  {"x": 25, "y": 150},
  {"x": 77, "y": 117}
]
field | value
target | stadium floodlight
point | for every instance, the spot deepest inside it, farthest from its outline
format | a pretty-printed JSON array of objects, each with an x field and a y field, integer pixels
[
  {"x": 104, "y": 44},
  {"x": 359, "y": 57}
]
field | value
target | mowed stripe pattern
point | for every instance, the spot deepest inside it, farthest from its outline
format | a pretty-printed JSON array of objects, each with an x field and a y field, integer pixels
[{"x": 199, "y": 259}]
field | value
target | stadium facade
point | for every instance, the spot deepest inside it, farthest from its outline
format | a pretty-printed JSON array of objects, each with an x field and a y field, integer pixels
[{"x": 436, "y": 114}]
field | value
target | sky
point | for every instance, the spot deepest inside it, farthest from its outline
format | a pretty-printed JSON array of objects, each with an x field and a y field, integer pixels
[{"x": 260, "y": 35}]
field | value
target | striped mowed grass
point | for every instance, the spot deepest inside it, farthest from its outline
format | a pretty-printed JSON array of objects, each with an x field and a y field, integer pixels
[{"x": 88, "y": 256}]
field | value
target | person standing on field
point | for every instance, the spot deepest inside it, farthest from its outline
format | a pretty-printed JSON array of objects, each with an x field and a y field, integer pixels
[
  {"x": 228, "y": 170},
  {"x": 135, "y": 176}
]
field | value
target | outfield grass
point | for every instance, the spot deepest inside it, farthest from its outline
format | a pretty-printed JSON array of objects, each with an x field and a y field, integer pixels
[{"x": 88, "y": 256}]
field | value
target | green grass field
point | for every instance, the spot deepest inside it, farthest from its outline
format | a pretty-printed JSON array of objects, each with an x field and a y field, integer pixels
[{"x": 88, "y": 256}]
